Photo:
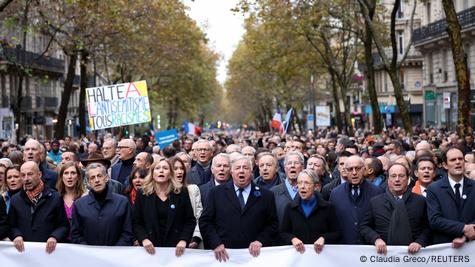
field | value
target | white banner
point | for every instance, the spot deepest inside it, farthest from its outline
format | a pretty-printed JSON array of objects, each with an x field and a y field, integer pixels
[
  {"x": 332, "y": 255},
  {"x": 323, "y": 115}
]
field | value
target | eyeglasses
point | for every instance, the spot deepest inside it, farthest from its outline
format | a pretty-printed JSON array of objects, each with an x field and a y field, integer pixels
[
  {"x": 120, "y": 147},
  {"x": 202, "y": 149},
  {"x": 356, "y": 169}
]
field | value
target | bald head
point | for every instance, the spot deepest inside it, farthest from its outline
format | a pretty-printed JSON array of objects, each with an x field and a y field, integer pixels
[{"x": 30, "y": 175}]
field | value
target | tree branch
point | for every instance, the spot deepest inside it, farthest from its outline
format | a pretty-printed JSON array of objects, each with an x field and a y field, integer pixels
[
  {"x": 4, "y": 4},
  {"x": 409, "y": 44}
]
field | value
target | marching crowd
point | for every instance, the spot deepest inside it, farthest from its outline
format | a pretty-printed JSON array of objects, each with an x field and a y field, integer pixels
[{"x": 241, "y": 190}]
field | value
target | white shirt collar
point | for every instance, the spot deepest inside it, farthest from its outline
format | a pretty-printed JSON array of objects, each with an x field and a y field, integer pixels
[
  {"x": 423, "y": 188},
  {"x": 247, "y": 189},
  {"x": 453, "y": 182}
]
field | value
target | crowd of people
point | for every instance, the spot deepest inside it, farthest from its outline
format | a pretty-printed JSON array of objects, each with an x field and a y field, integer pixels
[{"x": 241, "y": 189}]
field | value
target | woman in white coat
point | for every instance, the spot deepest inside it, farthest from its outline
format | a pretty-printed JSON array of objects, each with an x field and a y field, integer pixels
[{"x": 179, "y": 170}]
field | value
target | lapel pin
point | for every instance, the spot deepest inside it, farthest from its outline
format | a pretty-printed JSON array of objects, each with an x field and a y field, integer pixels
[
  {"x": 172, "y": 206},
  {"x": 464, "y": 196}
]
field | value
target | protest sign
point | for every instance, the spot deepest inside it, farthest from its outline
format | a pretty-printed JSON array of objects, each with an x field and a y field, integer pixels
[
  {"x": 165, "y": 138},
  {"x": 323, "y": 115},
  {"x": 117, "y": 105}
]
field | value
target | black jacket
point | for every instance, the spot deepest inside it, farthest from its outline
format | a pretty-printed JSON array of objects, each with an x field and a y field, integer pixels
[
  {"x": 204, "y": 190},
  {"x": 328, "y": 188},
  {"x": 49, "y": 177},
  {"x": 180, "y": 223},
  {"x": 38, "y": 223},
  {"x": 4, "y": 227},
  {"x": 446, "y": 218},
  {"x": 121, "y": 171},
  {"x": 376, "y": 221},
  {"x": 223, "y": 221},
  {"x": 106, "y": 225},
  {"x": 322, "y": 222},
  {"x": 199, "y": 175}
]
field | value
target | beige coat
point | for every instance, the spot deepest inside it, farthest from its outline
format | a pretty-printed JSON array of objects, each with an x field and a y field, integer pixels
[{"x": 195, "y": 198}]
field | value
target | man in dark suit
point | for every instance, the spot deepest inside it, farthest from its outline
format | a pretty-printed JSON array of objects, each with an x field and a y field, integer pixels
[
  {"x": 351, "y": 200},
  {"x": 121, "y": 171},
  {"x": 285, "y": 192},
  {"x": 36, "y": 213},
  {"x": 239, "y": 214},
  {"x": 221, "y": 169},
  {"x": 200, "y": 173},
  {"x": 398, "y": 217},
  {"x": 450, "y": 202}
]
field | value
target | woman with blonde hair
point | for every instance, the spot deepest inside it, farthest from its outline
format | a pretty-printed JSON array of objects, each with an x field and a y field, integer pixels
[{"x": 163, "y": 214}]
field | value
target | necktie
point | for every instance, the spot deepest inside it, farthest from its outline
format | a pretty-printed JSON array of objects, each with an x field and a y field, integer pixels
[
  {"x": 241, "y": 198},
  {"x": 355, "y": 192},
  {"x": 457, "y": 193}
]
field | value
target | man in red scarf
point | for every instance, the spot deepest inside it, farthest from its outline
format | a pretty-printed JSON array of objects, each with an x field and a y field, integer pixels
[{"x": 37, "y": 212}]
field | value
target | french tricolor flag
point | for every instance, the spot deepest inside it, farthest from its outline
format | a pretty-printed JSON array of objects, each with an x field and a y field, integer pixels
[
  {"x": 191, "y": 128},
  {"x": 277, "y": 121}
]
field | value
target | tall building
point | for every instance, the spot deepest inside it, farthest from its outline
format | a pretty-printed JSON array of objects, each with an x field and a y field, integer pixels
[
  {"x": 410, "y": 73},
  {"x": 42, "y": 85},
  {"x": 439, "y": 81}
]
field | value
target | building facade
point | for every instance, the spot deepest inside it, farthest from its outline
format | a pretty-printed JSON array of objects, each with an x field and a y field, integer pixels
[
  {"x": 42, "y": 85},
  {"x": 410, "y": 73},
  {"x": 439, "y": 81}
]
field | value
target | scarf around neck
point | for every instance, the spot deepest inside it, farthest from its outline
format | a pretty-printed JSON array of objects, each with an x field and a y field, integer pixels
[
  {"x": 399, "y": 232},
  {"x": 34, "y": 194}
]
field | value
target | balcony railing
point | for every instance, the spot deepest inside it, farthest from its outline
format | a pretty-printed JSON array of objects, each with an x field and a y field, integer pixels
[
  {"x": 32, "y": 60},
  {"x": 438, "y": 28}
]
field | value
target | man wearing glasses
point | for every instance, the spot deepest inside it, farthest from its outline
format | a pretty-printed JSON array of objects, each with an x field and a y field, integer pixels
[
  {"x": 121, "y": 171},
  {"x": 351, "y": 200},
  {"x": 285, "y": 192},
  {"x": 109, "y": 151},
  {"x": 201, "y": 172}
]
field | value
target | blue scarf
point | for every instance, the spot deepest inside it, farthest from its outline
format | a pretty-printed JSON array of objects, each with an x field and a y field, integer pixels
[{"x": 308, "y": 205}]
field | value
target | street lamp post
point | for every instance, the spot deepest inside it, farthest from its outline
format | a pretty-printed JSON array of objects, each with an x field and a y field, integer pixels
[{"x": 312, "y": 93}]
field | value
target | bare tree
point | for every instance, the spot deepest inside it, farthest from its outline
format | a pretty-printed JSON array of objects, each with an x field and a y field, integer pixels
[
  {"x": 462, "y": 72},
  {"x": 393, "y": 66}
]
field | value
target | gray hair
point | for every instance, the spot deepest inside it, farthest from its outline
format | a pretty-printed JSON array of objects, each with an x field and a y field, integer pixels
[
  {"x": 95, "y": 165},
  {"x": 200, "y": 142},
  {"x": 112, "y": 141},
  {"x": 312, "y": 174},
  {"x": 239, "y": 158},
  {"x": 233, "y": 147},
  {"x": 249, "y": 147},
  {"x": 220, "y": 155},
  {"x": 263, "y": 154},
  {"x": 360, "y": 159},
  {"x": 294, "y": 153}
]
